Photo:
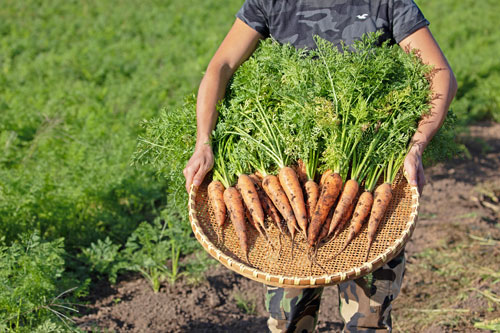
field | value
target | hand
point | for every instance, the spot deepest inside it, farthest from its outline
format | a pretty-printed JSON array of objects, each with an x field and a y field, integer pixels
[
  {"x": 414, "y": 170},
  {"x": 198, "y": 166}
]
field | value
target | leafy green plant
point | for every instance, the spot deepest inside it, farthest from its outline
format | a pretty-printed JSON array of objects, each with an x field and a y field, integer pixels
[
  {"x": 151, "y": 245},
  {"x": 356, "y": 109},
  {"x": 70, "y": 109},
  {"x": 153, "y": 250},
  {"x": 167, "y": 144},
  {"x": 35, "y": 292},
  {"x": 245, "y": 304},
  {"x": 147, "y": 250},
  {"x": 173, "y": 274},
  {"x": 195, "y": 267},
  {"x": 103, "y": 258}
]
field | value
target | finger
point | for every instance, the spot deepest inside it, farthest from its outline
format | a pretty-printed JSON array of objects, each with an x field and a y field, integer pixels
[
  {"x": 189, "y": 173},
  {"x": 411, "y": 175},
  {"x": 200, "y": 175}
]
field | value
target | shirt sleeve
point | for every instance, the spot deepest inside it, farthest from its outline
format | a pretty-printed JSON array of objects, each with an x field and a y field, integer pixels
[
  {"x": 253, "y": 14},
  {"x": 406, "y": 19}
]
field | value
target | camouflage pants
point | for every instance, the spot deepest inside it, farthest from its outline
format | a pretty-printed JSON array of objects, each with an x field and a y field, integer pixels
[{"x": 365, "y": 303}]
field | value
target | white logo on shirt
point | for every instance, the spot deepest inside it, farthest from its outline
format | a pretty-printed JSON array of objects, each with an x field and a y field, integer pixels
[{"x": 362, "y": 17}]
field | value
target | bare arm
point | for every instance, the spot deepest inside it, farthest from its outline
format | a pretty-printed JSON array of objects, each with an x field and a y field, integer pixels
[
  {"x": 444, "y": 88},
  {"x": 237, "y": 46}
]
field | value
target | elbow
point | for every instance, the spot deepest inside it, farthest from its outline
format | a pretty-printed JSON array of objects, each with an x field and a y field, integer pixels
[{"x": 220, "y": 69}]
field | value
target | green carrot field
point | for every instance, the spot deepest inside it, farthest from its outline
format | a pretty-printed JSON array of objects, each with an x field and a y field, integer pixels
[{"x": 80, "y": 83}]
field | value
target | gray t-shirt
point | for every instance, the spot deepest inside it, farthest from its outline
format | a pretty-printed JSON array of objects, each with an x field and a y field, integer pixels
[{"x": 297, "y": 21}]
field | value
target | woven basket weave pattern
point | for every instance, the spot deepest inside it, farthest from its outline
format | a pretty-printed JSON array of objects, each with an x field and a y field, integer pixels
[{"x": 270, "y": 267}]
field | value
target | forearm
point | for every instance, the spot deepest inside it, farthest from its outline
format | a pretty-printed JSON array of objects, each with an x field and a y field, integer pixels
[
  {"x": 443, "y": 86},
  {"x": 210, "y": 92},
  {"x": 238, "y": 45}
]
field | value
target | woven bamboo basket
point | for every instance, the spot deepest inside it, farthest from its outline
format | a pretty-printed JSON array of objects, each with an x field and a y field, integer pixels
[{"x": 278, "y": 268}]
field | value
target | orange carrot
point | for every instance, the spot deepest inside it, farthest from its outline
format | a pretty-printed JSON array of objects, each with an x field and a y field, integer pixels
[
  {"x": 234, "y": 204},
  {"x": 361, "y": 212},
  {"x": 216, "y": 197},
  {"x": 251, "y": 221},
  {"x": 253, "y": 205},
  {"x": 273, "y": 189},
  {"x": 326, "y": 226},
  {"x": 259, "y": 175},
  {"x": 272, "y": 211},
  {"x": 291, "y": 185},
  {"x": 312, "y": 194},
  {"x": 267, "y": 204},
  {"x": 365, "y": 202},
  {"x": 323, "y": 177},
  {"x": 269, "y": 209},
  {"x": 340, "y": 228},
  {"x": 300, "y": 169},
  {"x": 256, "y": 180},
  {"x": 344, "y": 221},
  {"x": 329, "y": 193},
  {"x": 345, "y": 202},
  {"x": 383, "y": 195},
  {"x": 251, "y": 199}
]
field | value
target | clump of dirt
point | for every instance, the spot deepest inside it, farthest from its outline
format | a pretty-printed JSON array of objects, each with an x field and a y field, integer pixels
[{"x": 449, "y": 284}]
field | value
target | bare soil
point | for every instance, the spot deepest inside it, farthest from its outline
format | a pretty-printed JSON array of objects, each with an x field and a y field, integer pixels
[{"x": 459, "y": 206}]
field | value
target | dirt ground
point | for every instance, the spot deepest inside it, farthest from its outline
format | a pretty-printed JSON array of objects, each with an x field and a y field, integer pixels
[{"x": 458, "y": 221}]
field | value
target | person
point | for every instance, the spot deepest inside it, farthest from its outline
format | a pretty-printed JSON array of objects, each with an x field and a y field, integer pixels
[{"x": 365, "y": 303}]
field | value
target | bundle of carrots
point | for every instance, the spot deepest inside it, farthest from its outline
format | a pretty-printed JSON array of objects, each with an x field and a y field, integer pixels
[{"x": 303, "y": 132}]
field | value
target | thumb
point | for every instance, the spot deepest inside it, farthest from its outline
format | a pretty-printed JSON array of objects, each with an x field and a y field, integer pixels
[{"x": 410, "y": 174}]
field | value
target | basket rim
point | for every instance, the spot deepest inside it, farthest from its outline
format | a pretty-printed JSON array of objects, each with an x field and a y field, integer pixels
[{"x": 300, "y": 281}]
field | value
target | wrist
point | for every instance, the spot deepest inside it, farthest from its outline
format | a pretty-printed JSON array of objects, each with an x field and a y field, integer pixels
[
  {"x": 203, "y": 146},
  {"x": 203, "y": 143},
  {"x": 417, "y": 148}
]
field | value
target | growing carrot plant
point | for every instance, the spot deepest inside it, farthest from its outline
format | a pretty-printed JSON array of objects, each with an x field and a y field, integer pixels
[
  {"x": 153, "y": 250},
  {"x": 70, "y": 109},
  {"x": 77, "y": 78},
  {"x": 35, "y": 292}
]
